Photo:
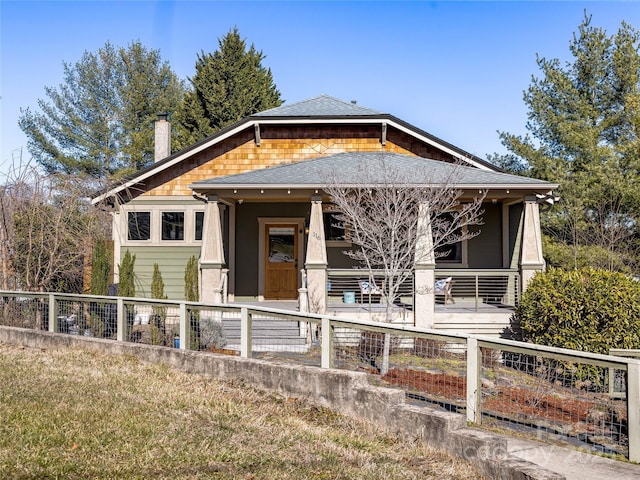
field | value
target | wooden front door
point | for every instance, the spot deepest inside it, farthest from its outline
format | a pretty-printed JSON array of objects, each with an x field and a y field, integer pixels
[{"x": 281, "y": 261}]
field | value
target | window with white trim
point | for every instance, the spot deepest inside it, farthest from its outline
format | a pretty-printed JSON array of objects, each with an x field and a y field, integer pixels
[
  {"x": 139, "y": 225},
  {"x": 172, "y": 225}
]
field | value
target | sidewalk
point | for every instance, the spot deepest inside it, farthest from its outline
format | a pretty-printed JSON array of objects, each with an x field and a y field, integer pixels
[{"x": 570, "y": 463}]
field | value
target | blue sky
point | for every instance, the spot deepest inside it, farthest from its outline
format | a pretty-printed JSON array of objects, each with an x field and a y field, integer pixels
[{"x": 455, "y": 69}]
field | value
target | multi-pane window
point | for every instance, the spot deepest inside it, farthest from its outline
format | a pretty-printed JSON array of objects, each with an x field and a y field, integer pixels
[
  {"x": 139, "y": 225},
  {"x": 172, "y": 225},
  {"x": 199, "y": 224}
]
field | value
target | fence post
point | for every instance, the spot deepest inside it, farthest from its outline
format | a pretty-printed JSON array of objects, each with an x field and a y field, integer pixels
[
  {"x": 121, "y": 324},
  {"x": 53, "y": 314},
  {"x": 327, "y": 344},
  {"x": 474, "y": 383},
  {"x": 633, "y": 409},
  {"x": 245, "y": 333},
  {"x": 185, "y": 327}
]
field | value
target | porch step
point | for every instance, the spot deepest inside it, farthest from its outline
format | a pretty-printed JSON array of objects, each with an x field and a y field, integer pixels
[{"x": 265, "y": 332}]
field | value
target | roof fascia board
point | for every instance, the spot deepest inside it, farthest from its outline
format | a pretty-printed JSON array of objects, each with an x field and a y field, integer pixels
[
  {"x": 468, "y": 186},
  {"x": 187, "y": 153}
]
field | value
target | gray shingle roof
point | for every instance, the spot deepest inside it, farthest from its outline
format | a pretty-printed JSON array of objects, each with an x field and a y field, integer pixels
[
  {"x": 321, "y": 106},
  {"x": 347, "y": 167}
]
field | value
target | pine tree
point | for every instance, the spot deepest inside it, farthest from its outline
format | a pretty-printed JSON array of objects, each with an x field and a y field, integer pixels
[
  {"x": 100, "y": 121},
  {"x": 228, "y": 85},
  {"x": 584, "y": 133}
]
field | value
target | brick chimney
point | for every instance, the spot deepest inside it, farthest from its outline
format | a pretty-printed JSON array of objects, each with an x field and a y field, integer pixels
[{"x": 163, "y": 137}]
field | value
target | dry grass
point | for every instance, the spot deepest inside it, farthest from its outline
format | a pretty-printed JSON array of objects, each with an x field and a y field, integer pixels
[{"x": 78, "y": 414}]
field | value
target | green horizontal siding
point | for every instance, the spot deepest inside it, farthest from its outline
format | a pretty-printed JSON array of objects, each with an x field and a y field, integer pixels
[{"x": 171, "y": 261}]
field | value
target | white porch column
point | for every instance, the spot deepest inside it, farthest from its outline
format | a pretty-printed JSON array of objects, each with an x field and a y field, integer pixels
[
  {"x": 531, "y": 259},
  {"x": 211, "y": 253},
  {"x": 424, "y": 267},
  {"x": 316, "y": 260}
]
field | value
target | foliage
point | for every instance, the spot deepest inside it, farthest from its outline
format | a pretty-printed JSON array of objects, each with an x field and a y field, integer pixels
[
  {"x": 126, "y": 285},
  {"x": 228, "y": 85},
  {"x": 48, "y": 228},
  {"x": 100, "y": 120},
  {"x": 212, "y": 334},
  {"x": 584, "y": 133},
  {"x": 159, "y": 314},
  {"x": 561, "y": 255},
  {"x": 588, "y": 310},
  {"x": 157, "y": 284},
  {"x": 191, "y": 292},
  {"x": 100, "y": 269}
]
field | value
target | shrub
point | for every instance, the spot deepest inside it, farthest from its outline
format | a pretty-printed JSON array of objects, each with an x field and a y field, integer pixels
[
  {"x": 159, "y": 314},
  {"x": 587, "y": 309}
]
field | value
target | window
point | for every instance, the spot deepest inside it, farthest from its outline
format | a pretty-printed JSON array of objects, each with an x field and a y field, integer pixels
[
  {"x": 333, "y": 227},
  {"x": 139, "y": 225},
  {"x": 172, "y": 225},
  {"x": 199, "y": 224},
  {"x": 450, "y": 253}
]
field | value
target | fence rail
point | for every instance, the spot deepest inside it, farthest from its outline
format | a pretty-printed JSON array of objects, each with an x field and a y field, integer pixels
[{"x": 556, "y": 394}]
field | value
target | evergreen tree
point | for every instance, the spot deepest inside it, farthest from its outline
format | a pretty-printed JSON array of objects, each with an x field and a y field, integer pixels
[
  {"x": 100, "y": 269},
  {"x": 584, "y": 133},
  {"x": 228, "y": 85},
  {"x": 100, "y": 121},
  {"x": 157, "y": 284},
  {"x": 157, "y": 321},
  {"x": 126, "y": 285},
  {"x": 191, "y": 291}
]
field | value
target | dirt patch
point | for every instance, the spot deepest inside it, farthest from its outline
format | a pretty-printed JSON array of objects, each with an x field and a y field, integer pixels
[{"x": 595, "y": 420}]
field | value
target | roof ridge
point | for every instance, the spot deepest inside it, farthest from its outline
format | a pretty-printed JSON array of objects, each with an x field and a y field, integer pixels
[{"x": 319, "y": 106}]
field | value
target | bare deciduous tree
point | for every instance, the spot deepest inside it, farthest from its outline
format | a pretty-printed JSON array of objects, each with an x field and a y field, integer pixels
[
  {"x": 49, "y": 227},
  {"x": 380, "y": 212}
]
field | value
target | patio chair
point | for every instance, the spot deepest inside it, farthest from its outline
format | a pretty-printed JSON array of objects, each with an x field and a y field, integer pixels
[
  {"x": 443, "y": 287},
  {"x": 368, "y": 288}
]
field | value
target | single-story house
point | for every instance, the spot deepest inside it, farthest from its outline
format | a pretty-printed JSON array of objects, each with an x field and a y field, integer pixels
[{"x": 248, "y": 202}]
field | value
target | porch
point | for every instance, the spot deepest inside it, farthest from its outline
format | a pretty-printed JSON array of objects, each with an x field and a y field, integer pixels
[{"x": 483, "y": 300}]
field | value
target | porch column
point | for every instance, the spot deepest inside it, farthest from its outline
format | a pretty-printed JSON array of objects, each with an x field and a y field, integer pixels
[
  {"x": 424, "y": 267},
  {"x": 316, "y": 259},
  {"x": 211, "y": 254},
  {"x": 531, "y": 260}
]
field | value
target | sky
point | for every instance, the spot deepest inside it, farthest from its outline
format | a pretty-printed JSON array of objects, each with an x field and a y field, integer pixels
[{"x": 456, "y": 69}]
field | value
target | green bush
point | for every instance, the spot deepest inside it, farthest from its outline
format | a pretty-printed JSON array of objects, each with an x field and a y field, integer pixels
[{"x": 587, "y": 309}]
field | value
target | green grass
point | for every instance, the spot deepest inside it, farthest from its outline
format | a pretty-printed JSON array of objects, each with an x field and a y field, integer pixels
[{"x": 76, "y": 414}]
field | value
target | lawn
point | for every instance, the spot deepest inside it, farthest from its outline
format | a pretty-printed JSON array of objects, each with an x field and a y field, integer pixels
[{"x": 77, "y": 414}]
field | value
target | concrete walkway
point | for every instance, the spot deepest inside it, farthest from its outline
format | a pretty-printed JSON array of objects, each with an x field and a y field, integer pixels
[{"x": 570, "y": 463}]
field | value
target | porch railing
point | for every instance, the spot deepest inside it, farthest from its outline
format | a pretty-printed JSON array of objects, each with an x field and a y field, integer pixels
[
  {"x": 345, "y": 285},
  {"x": 482, "y": 287},
  {"x": 582, "y": 398}
]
